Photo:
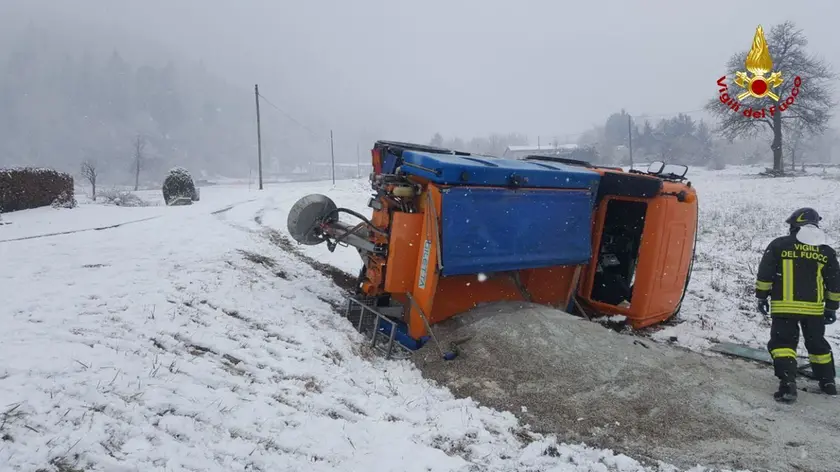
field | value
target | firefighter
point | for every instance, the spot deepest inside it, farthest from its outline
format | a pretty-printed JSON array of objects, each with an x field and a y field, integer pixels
[{"x": 801, "y": 276}]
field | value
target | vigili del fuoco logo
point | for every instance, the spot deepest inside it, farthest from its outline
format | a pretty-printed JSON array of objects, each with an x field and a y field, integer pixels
[{"x": 760, "y": 85}]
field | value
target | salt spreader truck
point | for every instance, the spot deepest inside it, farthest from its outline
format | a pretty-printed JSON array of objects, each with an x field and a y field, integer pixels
[{"x": 450, "y": 230}]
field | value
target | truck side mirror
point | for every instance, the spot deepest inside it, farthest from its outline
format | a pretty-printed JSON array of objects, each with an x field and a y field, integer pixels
[{"x": 655, "y": 167}]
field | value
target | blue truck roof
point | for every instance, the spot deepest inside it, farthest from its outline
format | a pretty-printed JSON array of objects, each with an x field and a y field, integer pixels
[{"x": 451, "y": 169}]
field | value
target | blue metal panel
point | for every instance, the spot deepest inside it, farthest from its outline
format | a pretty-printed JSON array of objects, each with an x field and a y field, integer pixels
[
  {"x": 389, "y": 163},
  {"x": 494, "y": 171},
  {"x": 498, "y": 229},
  {"x": 401, "y": 335}
]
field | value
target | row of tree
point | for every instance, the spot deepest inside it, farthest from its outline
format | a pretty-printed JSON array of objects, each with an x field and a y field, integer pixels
[
  {"x": 60, "y": 105},
  {"x": 679, "y": 139},
  {"x": 493, "y": 144}
]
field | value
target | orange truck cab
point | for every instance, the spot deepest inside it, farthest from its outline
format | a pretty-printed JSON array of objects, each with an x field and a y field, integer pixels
[{"x": 644, "y": 233}]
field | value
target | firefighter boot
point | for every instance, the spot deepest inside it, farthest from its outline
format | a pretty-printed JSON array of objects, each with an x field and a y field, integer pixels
[
  {"x": 828, "y": 387},
  {"x": 785, "y": 370},
  {"x": 786, "y": 392}
]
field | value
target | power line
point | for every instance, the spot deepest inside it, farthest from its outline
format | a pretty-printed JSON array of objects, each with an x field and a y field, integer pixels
[
  {"x": 290, "y": 117},
  {"x": 566, "y": 136}
]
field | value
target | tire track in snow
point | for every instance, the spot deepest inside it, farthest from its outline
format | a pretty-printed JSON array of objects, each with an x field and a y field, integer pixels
[
  {"x": 347, "y": 282},
  {"x": 221, "y": 215},
  {"x": 100, "y": 228},
  {"x": 231, "y": 207}
]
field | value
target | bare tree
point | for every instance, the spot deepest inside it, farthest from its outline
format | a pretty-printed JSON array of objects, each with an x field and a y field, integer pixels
[
  {"x": 139, "y": 145},
  {"x": 797, "y": 142},
  {"x": 812, "y": 105},
  {"x": 90, "y": 173}
]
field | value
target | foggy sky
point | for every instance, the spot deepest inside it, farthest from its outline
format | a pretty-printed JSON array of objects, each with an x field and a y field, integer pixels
[{"x": 407, "y": 69}]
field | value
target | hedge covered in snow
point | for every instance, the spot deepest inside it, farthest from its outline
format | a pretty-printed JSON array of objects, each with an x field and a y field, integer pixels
[
  {"x": 179, "y": 183},
  {"x": 30, "y": 187}
]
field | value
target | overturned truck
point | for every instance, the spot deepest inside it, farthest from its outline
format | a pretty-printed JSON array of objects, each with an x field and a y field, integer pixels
[{"x": 451, "y": 230}]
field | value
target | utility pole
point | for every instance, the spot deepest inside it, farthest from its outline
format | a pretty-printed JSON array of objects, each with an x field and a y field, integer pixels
[
  {"x": 259, "y": 136},
  {"x": 630, "y": 138},
  {"x": 332, "y": 155},
  {"x": 358, "y": 163}
]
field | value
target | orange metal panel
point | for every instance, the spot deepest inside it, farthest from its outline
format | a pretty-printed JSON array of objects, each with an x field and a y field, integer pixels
[
  {"x": 403, "y": 252},
  {"x": 575, "y": 280},
  {"x": 550, "y": 285},
  {"x": 427, "y": 273},
  {"x": 674, "y": 228},
  {"x": 382, "y": 220},
  {"x": 457, "y": 294},
  {"x": 376, "y": 160},
  {"x": 460, "y": 293}
]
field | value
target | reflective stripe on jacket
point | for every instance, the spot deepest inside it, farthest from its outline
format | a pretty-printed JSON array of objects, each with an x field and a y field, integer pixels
[{"x": 799, "y": 279}]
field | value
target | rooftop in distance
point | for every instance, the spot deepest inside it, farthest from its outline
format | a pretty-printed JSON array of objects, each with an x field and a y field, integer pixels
[{"x": 515, "y": 152}]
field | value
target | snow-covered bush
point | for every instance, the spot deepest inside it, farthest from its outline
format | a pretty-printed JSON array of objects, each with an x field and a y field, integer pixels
[
  {"x": 64, "y": 200},
  {"x": 121, "y": 198},
  {"x": 29, "y": 187},
  {"x": 179, "y": 183}
]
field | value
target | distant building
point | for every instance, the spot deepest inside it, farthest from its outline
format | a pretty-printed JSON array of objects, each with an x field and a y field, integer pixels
[
  {"x": 343, "y": 170},
  {"x": 518, "y": 152}
]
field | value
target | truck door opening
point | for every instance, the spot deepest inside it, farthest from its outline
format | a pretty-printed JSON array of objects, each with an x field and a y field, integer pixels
[{"x": 619, "y": 252}]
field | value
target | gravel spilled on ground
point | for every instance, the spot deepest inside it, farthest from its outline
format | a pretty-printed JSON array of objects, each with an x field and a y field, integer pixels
[{"x": 566, "y": 375}]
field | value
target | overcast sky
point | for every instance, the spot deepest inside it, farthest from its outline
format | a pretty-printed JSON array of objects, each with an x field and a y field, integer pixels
[{"x": 465, "y": 67}]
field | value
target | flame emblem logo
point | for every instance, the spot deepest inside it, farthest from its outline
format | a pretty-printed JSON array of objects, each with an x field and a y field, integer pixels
[{"x": 758, "y": 63}]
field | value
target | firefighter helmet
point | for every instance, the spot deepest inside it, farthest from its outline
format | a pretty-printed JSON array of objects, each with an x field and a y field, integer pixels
[{"x": 804, "y": 216}]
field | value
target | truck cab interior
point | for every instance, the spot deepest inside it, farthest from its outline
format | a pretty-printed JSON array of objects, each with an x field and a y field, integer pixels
[{"x": 618, "y": 253}]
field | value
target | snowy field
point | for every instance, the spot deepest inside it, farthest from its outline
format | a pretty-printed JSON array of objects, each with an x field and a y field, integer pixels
[
  {"x": 185, "y": 338},
  {"x": 740, "y": 213}
]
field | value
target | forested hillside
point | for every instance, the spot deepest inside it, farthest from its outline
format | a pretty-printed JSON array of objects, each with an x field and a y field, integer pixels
[{"x": 62, "y": 102}]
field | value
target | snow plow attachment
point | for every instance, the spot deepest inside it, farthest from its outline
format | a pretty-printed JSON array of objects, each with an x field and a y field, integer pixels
[{"x": 451, "y": 230}]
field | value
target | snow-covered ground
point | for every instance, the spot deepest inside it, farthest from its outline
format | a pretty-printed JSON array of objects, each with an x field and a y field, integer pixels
[
  {"x": 183, "y": 339},
  {"x": 188, "y": 341}
]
